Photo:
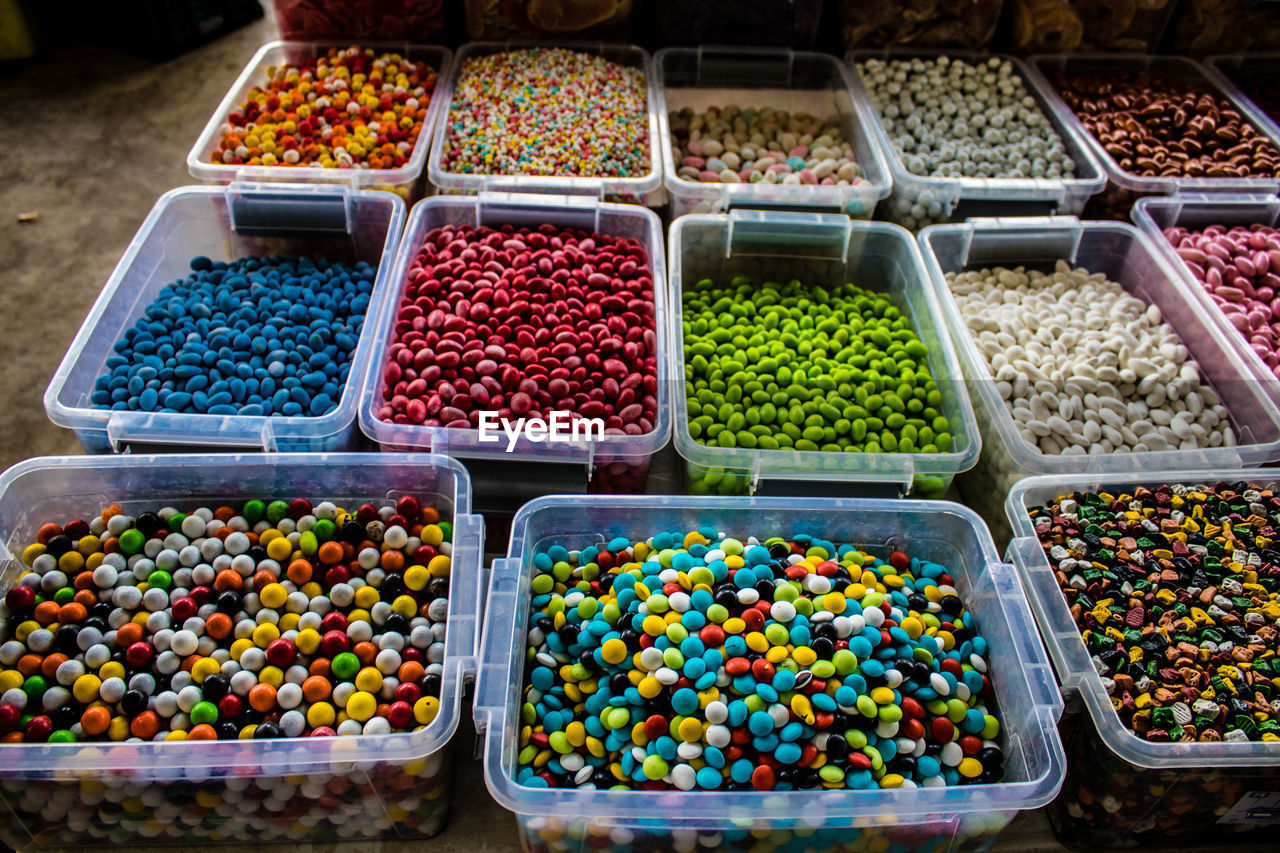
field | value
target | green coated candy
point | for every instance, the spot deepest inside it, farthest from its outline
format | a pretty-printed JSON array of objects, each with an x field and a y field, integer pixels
[{"x": 791, "y": 365}]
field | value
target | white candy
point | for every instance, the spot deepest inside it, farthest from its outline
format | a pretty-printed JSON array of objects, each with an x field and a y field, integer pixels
[{"x": 1042, "y": 334}]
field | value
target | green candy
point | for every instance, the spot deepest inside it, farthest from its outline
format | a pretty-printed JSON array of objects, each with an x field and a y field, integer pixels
[{"x": 806, "y": 367}]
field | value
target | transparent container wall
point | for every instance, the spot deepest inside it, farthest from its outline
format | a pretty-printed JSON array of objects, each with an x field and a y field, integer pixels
[
  {"x": 964, "y": 24},
  {"x": 1072, "y": 26},
  {"x": 1250, "y": 77},
  {"x": 645, "y": 189},
  {"x": 923, "y": 820},
  {"x": 406, "y": 181},
  {"x": 1120, "y": 790},
  {"x": 525, "y": 469},
  {"x": 1108, "y": 804},
  {"x": 1127, "y": 257},
  {"x": 774, "y": 23},
  {"x": 919, "y": 201},
  {"x": 1196, "y": 212},
  {"x": 394, "y": 786},
  {"x": 830, "y": 250},
  {"x": 1124, "y": 187},
  {"x": 224, "y": 224},
  {"x": 813, "y": 83},
  {"x": 527, "y": 19}
]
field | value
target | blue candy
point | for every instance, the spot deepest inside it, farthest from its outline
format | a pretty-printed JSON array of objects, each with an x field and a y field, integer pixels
[{"x": 212, "y": 342}]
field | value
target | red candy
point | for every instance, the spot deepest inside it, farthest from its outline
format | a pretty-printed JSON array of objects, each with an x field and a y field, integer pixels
[{"x": 524, "y": 322}]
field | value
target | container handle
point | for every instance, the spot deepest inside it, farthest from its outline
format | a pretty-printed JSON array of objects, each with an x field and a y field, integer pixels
[
  {"x": 1041, "y": 684},
  {"x": 272, "y": 210},
  {"x": 134, "y": 432},
  {"x": 537, "y": 189},
  {"x": 1003, "y": 239},
  {"x": 738, "y": 67},
  {"x": 494, "y": 683},
  {"x": 466, "y": 595},
  {"x": 497, "y": 207},
  {"x": 808, "y": 235}
]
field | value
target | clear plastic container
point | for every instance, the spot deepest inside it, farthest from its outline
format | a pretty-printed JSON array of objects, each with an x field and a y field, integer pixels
[
  {"x": 961, "y": 198},
  {"x": 1124, "y": 188},
  {"x": 765, "y": 77},
  {"x": 1154, "y": 214},
  {"x": 1121, "y": 790},
  {"x": 527, "y": 469},
  {"x": 923, "y": 820},
  {"x": 1127, "y": 257},
  {"x": 292, "y": 789},
  {"x": 646, "y": 189},
  {"x": 784, "y": 23},
  {"x": 770, "y": 246},
  {"x": 405, "y": 181},
  {"x": 225, "y": 223},
  {"x": 1232, "y": 72}
]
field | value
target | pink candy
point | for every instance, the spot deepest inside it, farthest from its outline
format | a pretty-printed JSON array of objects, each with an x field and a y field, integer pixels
[{"x": 1238, "y": 267}]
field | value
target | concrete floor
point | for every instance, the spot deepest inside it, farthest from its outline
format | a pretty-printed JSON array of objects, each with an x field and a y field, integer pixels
[{"x": 101, "y": 136}]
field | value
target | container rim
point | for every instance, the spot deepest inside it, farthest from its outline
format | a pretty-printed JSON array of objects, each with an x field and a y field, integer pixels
[
  {"x": 464, "y": 443},
  {"x": 249, "y": 431},
  {"x": 1026, "y": 455},
  {"x": 503, "y": 638},
  {"x": 174, "y": 760},
  {"x": 439, "y": 57},
  {"x": 899, "y": 468},
  {"x": 598, "y": 187},
  {"x": 880, "y": 184},
  {"x": 1062, "y": 638}
]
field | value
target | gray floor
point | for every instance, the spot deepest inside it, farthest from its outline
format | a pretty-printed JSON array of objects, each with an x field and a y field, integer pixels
[{"x": 91, "y": 139}]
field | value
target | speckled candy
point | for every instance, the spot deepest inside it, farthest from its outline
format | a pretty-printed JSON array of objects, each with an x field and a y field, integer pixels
[{"x": 548, "y": 111}]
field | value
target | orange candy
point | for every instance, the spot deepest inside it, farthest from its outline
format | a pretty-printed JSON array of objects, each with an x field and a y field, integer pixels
[
  {"x": 128, "y": 634},
  {"x": 218, "y": 625},
  {"x": 95, "y": 720},
  {"x": 46, "y": 612},
  {"x": 72, "y": 612},
  {"x": 366, "y": 652},
  {"x": 316, "y": 688},
  {"x": 262, "y": 697},
  {"x": 204, "y": 731},
  {"x": 330, "y": 553},
  {"x": 299, "y": 572},
  {"x": 49, "y": 666},
  {"x": 146, "y": 725},
  {"x": 227, "y": 580},
  {"x": 410, "y": 671}
]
